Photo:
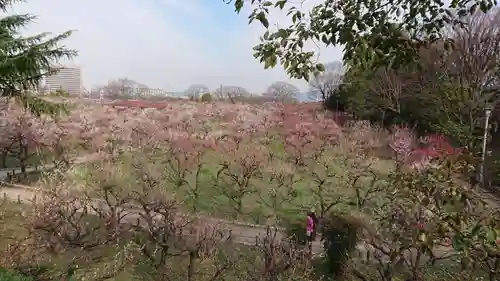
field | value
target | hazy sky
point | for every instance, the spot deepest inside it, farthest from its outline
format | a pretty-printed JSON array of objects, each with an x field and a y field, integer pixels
[{"x": 166, "y": 44}]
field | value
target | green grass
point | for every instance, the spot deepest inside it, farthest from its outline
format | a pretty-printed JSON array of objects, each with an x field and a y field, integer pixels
[
  {"x": 264, "y": 201},
  {"x": 11, "y": 161}
]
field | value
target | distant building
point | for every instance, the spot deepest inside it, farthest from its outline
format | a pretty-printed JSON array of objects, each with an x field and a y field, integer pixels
[{"x": 69, "y": 78}]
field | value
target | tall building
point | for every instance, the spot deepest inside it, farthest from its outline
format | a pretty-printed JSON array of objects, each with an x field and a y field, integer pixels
[{"x": 69, "y": 78}]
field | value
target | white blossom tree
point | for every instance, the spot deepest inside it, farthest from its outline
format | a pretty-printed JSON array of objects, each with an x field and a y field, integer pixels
[
  {"x": 123, "y": 88},
  {"x": 281, "y": 90},
  {"x": 195, "y": 91},
  {"x": 231, "y": 93},
  {"x": 323, "y": 85}
]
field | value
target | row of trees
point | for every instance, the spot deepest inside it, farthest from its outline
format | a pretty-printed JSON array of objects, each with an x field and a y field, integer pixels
[
  {"x": 125, "y": 88},
  {"x": 279, "y": 90},
  {"x": 444, "y": 91},
  {"x": 404, "y": 215},
  {"x": 122, "y": 88},
  {"x": 302, "y": 157}
]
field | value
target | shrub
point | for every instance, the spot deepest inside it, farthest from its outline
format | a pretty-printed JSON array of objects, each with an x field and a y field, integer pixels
[
  {"x": 6, "y": 275},
  {"x": 31, "y": 271},
  {"x": 296, "y": 230},
  {"x": 59, "y": 93},
  {"x": 341, "y": 234},
  {"x": 206, "y": 97}
]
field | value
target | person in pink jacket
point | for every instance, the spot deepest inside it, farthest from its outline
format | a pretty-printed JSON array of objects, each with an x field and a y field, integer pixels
[{"x": 311, "y": 227}]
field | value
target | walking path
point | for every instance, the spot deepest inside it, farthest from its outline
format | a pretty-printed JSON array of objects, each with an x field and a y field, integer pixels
[
  {"x": 79, "y": 160},
  {"x": 243, "y": 233},
  {"x": 4, "y": 173}
]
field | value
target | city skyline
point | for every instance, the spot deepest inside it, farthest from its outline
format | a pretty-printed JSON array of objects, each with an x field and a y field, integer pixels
[{"x": 70, "y": 79}]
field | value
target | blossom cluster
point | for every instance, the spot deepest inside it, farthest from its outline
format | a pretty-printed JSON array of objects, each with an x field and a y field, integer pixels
[{"x": 302, "y": 128}]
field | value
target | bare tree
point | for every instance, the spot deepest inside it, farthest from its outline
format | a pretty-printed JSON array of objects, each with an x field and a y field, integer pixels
[
  {"x": 473, "y": 64},
  {"x": 281, "y": 90},
  {"x": 196, "y": 90},
  {"x": 324, "y": 84},
  {"x": 475, "y": 56}
]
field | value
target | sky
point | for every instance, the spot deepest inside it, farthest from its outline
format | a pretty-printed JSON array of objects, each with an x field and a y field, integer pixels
[{"x": 166, "y": 44}]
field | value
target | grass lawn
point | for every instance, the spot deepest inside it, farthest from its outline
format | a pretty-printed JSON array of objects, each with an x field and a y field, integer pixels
[
  {"x": 13, "y": 162},
  {"x": 277, "y": 193}
]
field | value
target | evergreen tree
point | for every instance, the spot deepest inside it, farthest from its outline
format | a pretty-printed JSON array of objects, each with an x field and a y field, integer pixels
[{"x": 25, "y": 61}]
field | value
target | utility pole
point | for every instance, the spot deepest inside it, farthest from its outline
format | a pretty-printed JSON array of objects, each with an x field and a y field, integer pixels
[{"x": 487, "y": 111}]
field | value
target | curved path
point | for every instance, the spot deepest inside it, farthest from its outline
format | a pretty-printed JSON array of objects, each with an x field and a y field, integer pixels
[{"x": 243, "y": 233}]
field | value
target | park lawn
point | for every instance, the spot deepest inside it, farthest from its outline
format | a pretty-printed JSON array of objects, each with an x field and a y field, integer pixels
[
  {"x": 12, "y": 161},
  {"x": 264, "y": 201},
  {"x": 268, "y": 203}
]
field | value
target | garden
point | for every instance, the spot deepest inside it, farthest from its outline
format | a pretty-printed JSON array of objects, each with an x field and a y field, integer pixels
[
  {"x": 219, "y": 190},
  {"x": 164, "y": 176}
]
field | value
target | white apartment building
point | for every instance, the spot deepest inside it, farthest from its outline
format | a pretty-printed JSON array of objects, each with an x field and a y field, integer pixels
[{"x": 69, "y": 78}]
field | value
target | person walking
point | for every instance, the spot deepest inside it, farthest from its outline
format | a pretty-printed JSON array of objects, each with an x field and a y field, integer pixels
[
  {"x": 315, "y": 223},
  {"x": 311, "y": 228}
]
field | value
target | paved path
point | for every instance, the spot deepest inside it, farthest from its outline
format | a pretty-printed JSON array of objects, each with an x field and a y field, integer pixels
[
  {"x": 4, "y": 172},
  {"x": 241, "y": 232}
]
